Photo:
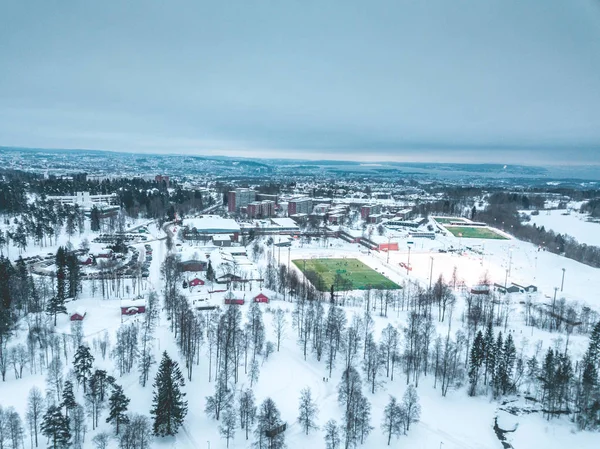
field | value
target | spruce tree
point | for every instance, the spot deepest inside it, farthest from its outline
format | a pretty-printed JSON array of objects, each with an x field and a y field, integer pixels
[
  {"x": 547, "y": 378},
  {"x": 588, "y": 400},
  {"x": 210, "y": 272},
  {"x": 61, "y": 273},
  {"x": 55, "y": 427},
  {"x": 594, "y": 346},
  {"x": 56, "y": 304},
  {"x": 509, "y": 355},
  {"x": 168, "y": 406},
  {"x": 564, "y": 377},
  {"x": 117, "y": 406},
  {"x": 22, "y": 285},
  {"x": 490, "y": 353},
  {"x": 95, "y": 219},
  {"x": 82, "y": 365},
  {"x": 73, "y": 275},
  {"x": 498, "y": 373},
  {"x": 68, "y": 398},
  {"x": 476, "y": 361}
]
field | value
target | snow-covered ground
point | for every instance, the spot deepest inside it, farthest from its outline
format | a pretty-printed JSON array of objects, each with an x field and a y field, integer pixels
[
  {"x": 574, "y": 224},
  {"x": 453, "y": 422}
]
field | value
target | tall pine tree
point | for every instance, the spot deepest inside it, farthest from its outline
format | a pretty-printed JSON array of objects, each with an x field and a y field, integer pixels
[
  {"x": 168, "y": 406},
  {"x": 210, "y": 272},
  {"x": 117, "y": 406},
  {"x": 55, "y": 427},
  {"x": 56, "y": 304},
  {"x": 68, "y": 398},
  {"x": 490, "y": 353},
  {"x": 477, "y": 358},
  {"x": 73, "y": 275},
  {"x": 95, "y": 219},
  {"x": 82, "y": 365}
]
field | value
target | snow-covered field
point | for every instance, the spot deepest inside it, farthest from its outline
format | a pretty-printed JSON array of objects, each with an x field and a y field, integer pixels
[
  {"x": 574, "y": 224},
  {"x": 453, "y": 422}
]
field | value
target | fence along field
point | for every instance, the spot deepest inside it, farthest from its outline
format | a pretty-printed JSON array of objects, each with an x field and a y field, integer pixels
[{"x": 343, "y": 274}]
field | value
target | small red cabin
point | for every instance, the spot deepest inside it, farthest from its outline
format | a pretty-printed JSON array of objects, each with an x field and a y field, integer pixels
[
  {"x": 132, "y": 310},
  {"x": 261, "y": 298},
  {"x": 234, "y": 301},
  {"x": 194, "y": 282},
  {"x": 133, "y": 307},
  {"x": 79, "y": 315},
  {"x": 86, "y": 260},
  {"x": 105, "y": 254}
]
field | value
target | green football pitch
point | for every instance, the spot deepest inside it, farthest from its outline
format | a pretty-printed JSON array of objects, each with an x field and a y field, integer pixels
[
  {"x": 344, "y": 274},
  {"x": 474, "y": 232}
]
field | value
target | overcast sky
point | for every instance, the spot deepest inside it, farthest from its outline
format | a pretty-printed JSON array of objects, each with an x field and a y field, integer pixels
[{"x": 449, "y": 80}]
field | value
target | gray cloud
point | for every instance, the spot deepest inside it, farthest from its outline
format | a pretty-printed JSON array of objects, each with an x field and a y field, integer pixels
[{"x": 451, "y": 79}]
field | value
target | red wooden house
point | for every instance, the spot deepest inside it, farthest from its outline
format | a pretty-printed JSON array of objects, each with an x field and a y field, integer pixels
[
  {"x": 261, "y": 298},
  {"x": 86, "y": 260},
  {"x": 133, "y": 307},
  {"x": 78, "y": 315},
  {"x": 105, "y": 253},
  {"x": 194, "y": 282},
  {"x": 230, "y": 299}
]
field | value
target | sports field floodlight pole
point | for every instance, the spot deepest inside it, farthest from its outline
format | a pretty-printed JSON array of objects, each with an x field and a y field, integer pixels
[
  {"x": 388, "y": 250},
  {"x": 408, "y": 263},
  {"x": 562, "y": 283},
  {"x": 430, "y": 272},
  {"x": 553, "y": 305}
]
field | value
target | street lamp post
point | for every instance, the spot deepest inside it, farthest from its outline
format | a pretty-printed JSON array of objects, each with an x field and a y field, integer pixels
[{"x": 562, "y": 283}]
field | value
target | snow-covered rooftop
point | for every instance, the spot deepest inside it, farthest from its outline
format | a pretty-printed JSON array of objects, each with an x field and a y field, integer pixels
[
  {"x": 284, "y": 222},
  {"x": 212, "y": 223}
]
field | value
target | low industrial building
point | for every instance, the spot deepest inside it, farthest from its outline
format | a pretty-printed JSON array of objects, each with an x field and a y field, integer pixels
[{"x": 206, "y": 227}]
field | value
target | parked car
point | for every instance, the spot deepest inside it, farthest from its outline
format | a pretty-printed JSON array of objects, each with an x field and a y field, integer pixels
[{"x": 405, "y": 266}]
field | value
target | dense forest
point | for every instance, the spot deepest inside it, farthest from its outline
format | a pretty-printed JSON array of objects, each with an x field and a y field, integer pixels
[{"x": 138, "y": 197}]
